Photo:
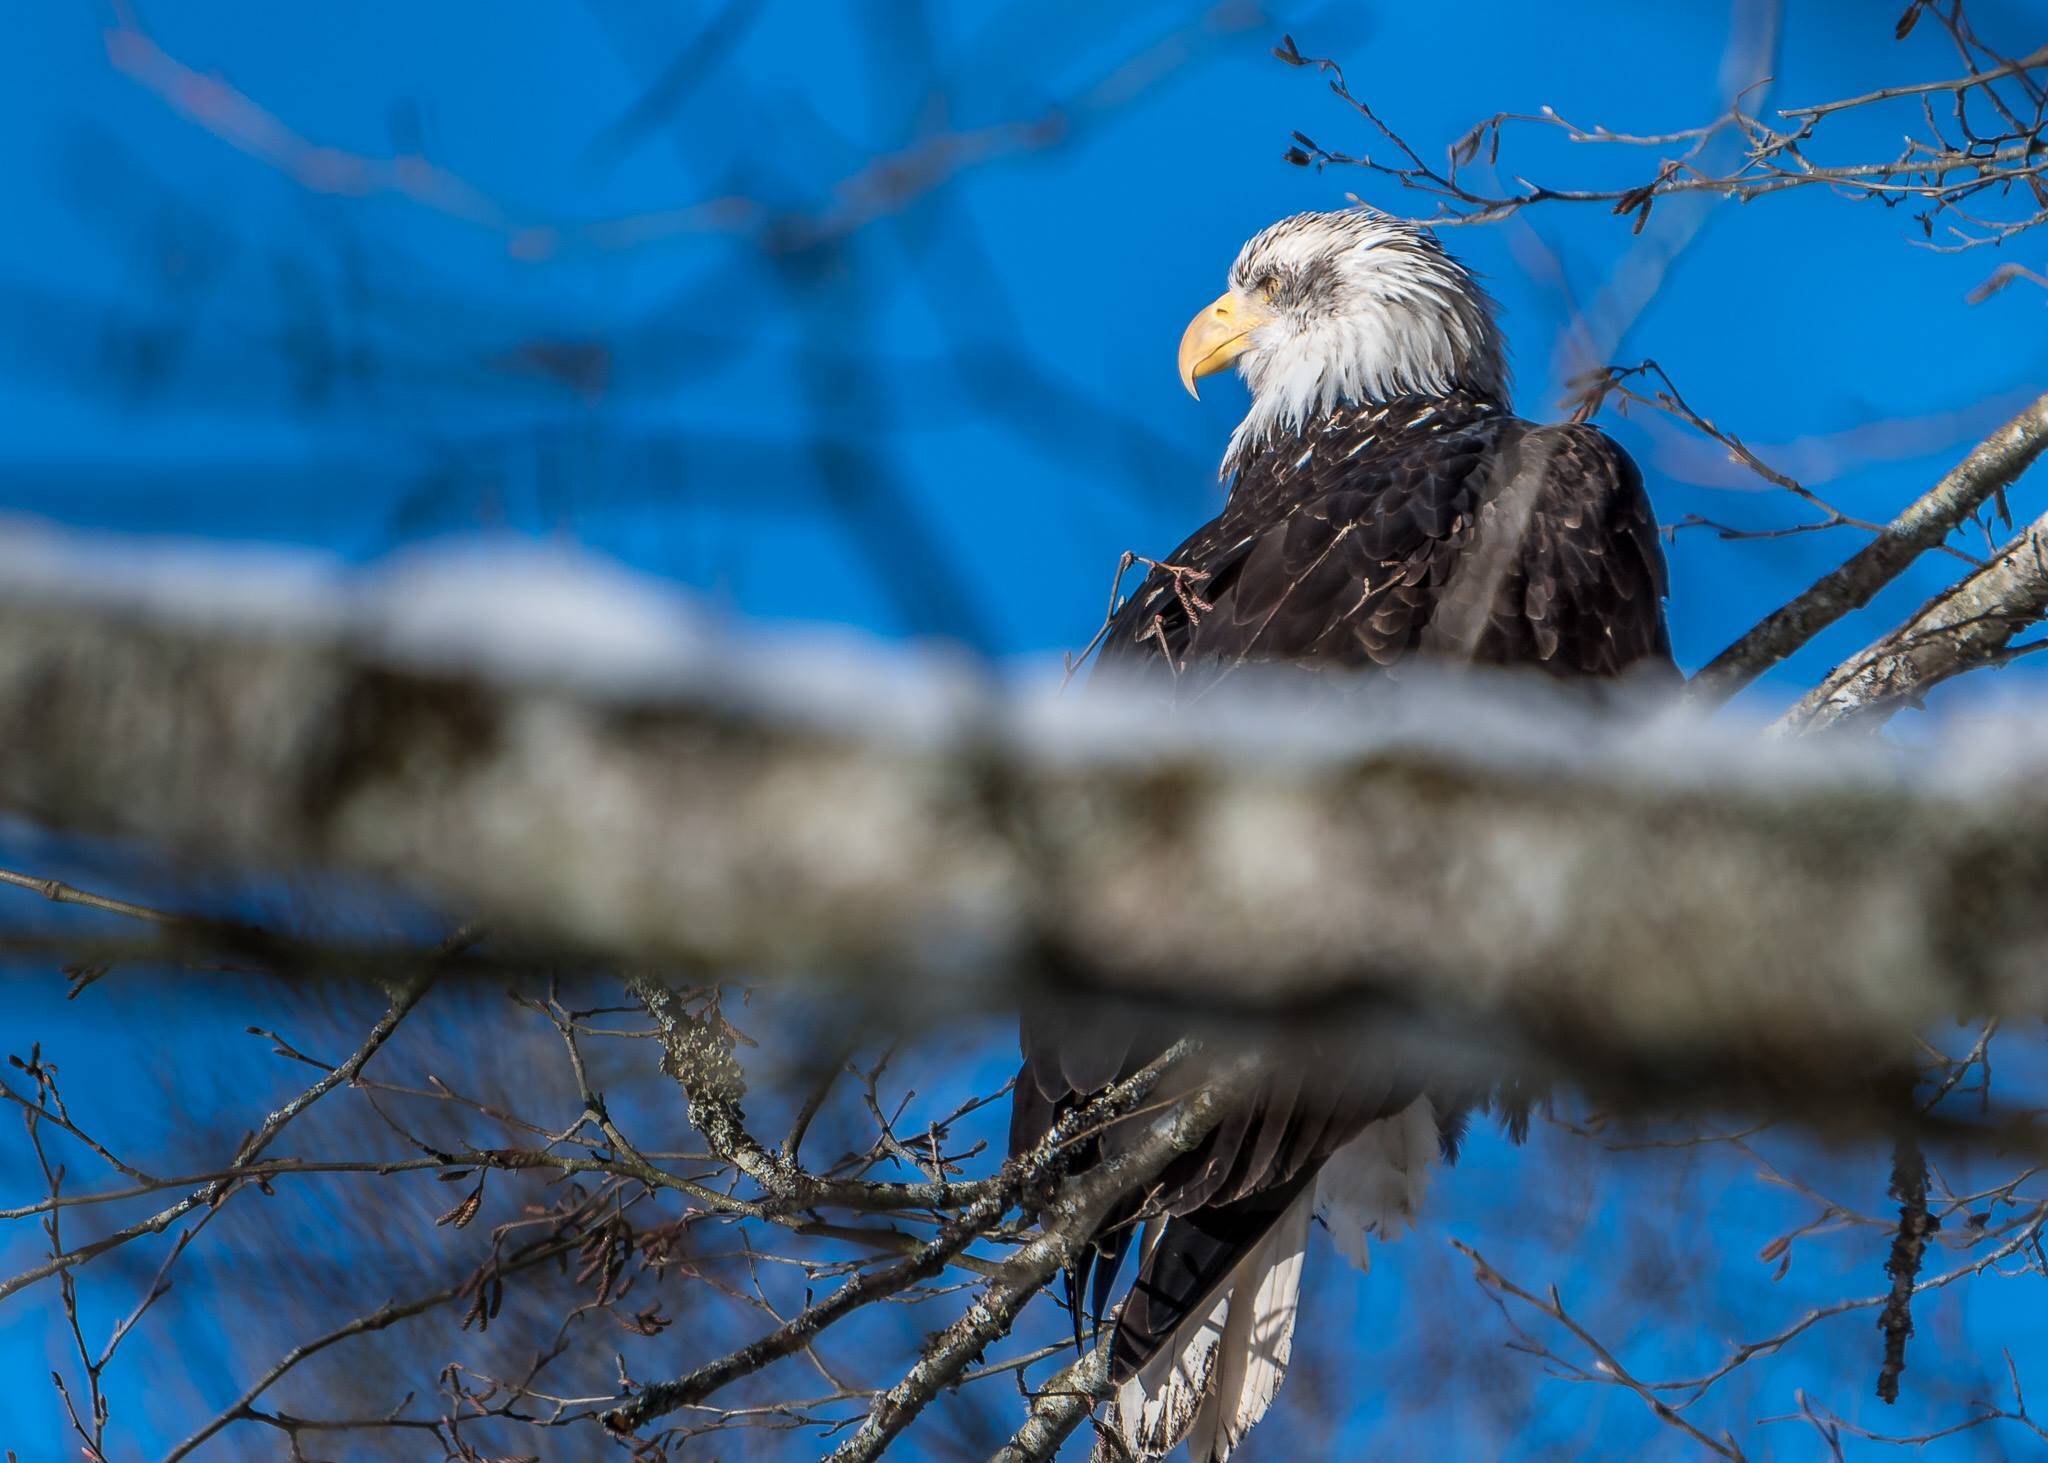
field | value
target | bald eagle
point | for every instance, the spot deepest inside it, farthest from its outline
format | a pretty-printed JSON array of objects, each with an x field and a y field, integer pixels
[{"x": 1384, "y": 505}]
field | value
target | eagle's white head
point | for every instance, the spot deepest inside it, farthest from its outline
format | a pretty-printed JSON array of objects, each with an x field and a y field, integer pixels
[{"x": 1343, "y": 309}]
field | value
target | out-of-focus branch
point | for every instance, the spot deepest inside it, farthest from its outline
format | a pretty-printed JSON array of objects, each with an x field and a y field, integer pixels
[
  {"x": 212, "y": 1193},
  {"x": 1503, "y": 869},
  {"x": 1990, "y": 467},
  {"x": 388, "y": 1314},
  {"x": 2002, "y": 276},
  {"x": 881, "y": 186},
  {"x": 1968, "y": 625},
  {"x": 884, "y": 185}
]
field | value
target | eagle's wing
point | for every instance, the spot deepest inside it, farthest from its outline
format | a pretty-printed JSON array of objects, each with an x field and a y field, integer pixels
[
  {"x": 1568, "y": 543},
  {"x": 1487, "y": 540},
  {"x": 1496, "y": 541}
]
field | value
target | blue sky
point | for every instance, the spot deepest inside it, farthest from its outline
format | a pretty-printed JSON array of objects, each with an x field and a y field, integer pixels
[
  {"x": 201, "y": 345},
  {"x": 951, "y": 421}
]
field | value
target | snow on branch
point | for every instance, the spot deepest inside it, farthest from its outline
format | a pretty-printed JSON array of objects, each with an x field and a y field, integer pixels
[{"x": 577, "y": 758}]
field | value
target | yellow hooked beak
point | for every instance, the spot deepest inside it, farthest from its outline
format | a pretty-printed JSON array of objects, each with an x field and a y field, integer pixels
[{"x": 1217, "y": 337}]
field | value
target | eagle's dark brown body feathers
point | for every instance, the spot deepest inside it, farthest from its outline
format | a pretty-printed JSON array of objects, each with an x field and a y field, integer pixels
[{"x": 1369, "y": 539}]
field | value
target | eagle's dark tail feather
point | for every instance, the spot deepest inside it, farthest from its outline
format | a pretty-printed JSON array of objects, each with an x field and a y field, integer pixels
[
  {"x": 1203, "y": 1340},
  {"x": 1180, "y": 1275}
]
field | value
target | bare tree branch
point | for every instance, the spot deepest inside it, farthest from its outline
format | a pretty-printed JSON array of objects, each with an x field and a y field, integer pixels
[
  {"x": 1070, "y": 1224},
  {"x": 1970, "y": 624},
  {"x": 1018, "y": 1176},
  {"x": 1057, "y": 1408},
  {"x": 1994, "y": 464}
]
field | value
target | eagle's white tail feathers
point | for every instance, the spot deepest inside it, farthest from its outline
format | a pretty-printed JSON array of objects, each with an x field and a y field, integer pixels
[
  {"x": 1156, "y": 1406},
  {"x": 1217, "y": 1374},
  {"x": 1376, "y": 1183},
  {"x": 1260, "y": 1339}
]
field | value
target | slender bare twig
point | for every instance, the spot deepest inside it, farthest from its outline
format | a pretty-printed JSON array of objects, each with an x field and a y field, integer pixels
[
  {"x": 63, "y": 893},
  {"x": 388, "y": 1314},
  {"x": 1069, "y": 1225},
  {"x": 402, "y": 1003},
  {"x": 1832, "y": 1424},
  {"x": 1020, "y": 1174},
  {"x": 1607, "y": 1366},
  {"x": 1947, "y": 179}
]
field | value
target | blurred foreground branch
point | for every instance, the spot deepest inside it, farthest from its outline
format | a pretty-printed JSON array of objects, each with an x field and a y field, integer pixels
[{"x": 1655, "y": 903}]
